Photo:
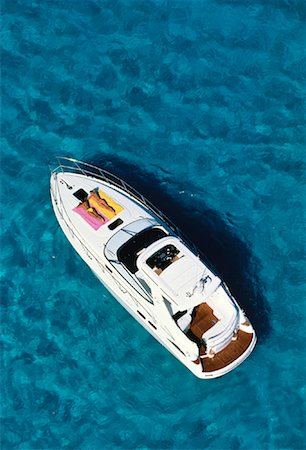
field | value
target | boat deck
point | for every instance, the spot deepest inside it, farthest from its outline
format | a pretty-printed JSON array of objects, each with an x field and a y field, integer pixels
[
  {"x": 119, "y": 214},
  {"x": 203, "y": 320},
  {"x": 229, "y": 354}
]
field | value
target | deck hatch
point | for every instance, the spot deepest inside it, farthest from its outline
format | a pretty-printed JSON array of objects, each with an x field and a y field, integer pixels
[
  {"x": 81, "y": 195},
  {"x": 115, "y": 224}
]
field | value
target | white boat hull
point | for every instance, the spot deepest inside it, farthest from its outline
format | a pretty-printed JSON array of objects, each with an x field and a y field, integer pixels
[{"x": 121, "y": 290}]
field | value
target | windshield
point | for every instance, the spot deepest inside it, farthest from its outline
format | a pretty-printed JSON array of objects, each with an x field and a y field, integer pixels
[{"x": 129, "y": 251}]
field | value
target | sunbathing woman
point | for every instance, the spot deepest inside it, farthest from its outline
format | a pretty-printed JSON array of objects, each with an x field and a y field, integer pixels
[
  {"x": 100, "y": 204},
  {"x": 91, "y": 211}
]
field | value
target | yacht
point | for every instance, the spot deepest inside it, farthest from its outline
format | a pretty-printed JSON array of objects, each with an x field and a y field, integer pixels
[{"x": 147, "y": 264}]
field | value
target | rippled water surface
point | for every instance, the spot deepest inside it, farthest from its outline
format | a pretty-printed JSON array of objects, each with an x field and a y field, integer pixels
[{"x": 199, "y": 105}]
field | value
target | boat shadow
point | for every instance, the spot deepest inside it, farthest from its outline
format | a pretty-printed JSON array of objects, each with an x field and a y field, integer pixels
[{"x": 227, "y": 252}]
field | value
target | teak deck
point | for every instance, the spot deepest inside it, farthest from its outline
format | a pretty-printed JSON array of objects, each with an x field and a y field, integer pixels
[
  {"x": 229, "y": 354},
  {"x": 203, "y": 320}
]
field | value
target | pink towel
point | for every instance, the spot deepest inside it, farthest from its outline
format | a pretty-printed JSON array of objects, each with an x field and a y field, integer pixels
[{"x": 93, "y": 221}]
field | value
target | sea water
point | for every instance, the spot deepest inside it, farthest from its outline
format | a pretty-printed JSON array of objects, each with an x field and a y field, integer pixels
[{"x": 199, "y": 105}]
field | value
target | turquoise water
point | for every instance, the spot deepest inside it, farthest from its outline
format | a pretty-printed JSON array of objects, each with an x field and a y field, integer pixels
[{"x": 199, "y": 105}]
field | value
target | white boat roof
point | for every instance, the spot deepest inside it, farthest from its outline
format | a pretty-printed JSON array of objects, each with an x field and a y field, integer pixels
[{"x": 186, "y": 281}]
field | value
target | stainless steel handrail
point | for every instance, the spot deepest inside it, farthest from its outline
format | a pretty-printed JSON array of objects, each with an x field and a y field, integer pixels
[{"x": 75, "y": 166}]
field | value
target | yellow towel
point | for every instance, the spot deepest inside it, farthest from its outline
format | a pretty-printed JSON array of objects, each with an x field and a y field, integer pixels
[{"x": 110, "y": 201}]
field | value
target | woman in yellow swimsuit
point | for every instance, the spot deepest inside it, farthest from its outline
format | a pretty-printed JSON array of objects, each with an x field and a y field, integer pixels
[
  {"x": 102, "y": 202},
  {"x": 86, "y": 206},
  {"x": 100, "y": 205}
]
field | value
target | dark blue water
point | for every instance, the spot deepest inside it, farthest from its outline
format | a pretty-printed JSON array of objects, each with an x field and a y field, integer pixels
[{"x": 199, "y": 105}]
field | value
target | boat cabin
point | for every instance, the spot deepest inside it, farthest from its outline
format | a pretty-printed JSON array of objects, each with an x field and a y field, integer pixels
[{"x": 149, "y": 254}]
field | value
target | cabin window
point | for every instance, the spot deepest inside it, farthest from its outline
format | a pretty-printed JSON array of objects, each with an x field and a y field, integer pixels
[
  {"x": 145, "y": 285},
  {"x": 168, "y": 305},
  {"x": 152, "y": 325},
  {"x": 141, "y": 315},
  {"x": 173, "y": 343}
]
